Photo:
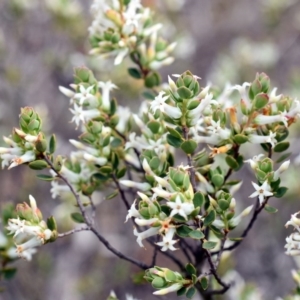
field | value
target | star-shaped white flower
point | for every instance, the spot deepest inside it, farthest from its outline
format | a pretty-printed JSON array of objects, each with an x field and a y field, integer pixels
[
  {"x": 168, "y": 242},
  {"x": 159, "y": 103},
  {"x": 261, "y": 191},
  {"x": 84, "y": 94},
  {"x": 181, "y": 208}
]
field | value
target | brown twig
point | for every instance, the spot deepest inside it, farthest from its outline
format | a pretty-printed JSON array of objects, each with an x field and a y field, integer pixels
[{"x": 90, "y": 225}]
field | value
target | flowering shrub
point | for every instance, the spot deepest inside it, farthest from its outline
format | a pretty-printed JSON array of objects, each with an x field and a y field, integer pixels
[{"x": 188, "y": 207}]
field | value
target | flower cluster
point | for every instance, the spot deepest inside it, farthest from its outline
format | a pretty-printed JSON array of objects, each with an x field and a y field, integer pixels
[
  {"x": 176, "y": 191},
  {"x": 293, "y": 241},
  {"x": 25, "y": 144},
  {"x": 29, "y": 229},
  {"x": 126, "y": 27},
  {"x": 167, "y": 281}
]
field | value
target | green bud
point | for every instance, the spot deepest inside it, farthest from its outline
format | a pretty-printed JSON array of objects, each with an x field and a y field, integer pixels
[
  {"x": 95, "y": 127},
  {"x": 217, "y": 180},
  {"x": 51, "y": 223},
  {"x": 87, "y": 137},
  {"x": 184, "y": 93},
  {"x": 266, "y": 165},
  {"x": 58, "y": 163},
  {"x": 152, "y": 79},
  {"x": 52, "y": 144},
  {"x": 41, "y": 145},
  {"x": 260, "y": 101},
  {"x": 38, "y": 165},
  {"x": 254, "y": 89}
]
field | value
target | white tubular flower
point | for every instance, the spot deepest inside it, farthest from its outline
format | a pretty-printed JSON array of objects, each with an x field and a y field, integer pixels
[
  {"x": 72, "y": 176},
  {"x": 213, "y": 139},
  {"x": 261, "y": 139},
  {"x": 294, "y": 221},
  {"x": 172, "y": 288},
  {"x": 147, "y": 168},
  {"x": 145, "y": 234},
  {"x": 58, "y": 189},
  {"x": 27, "y": 254},
  {"x": 236, "y": 220},
  {"x": 101, "y": 161},
  {"x": 106, "y": 88},
  {"x": 142, "y": 186},
  {"x": 67, "y": 92},
  {"x": 124, "y": 113},
  {"x": 12, "y": 151},
  {"x": 16, "y": 226},
  {"x": 133, "y": 212},
  {"x": 168, "y": 242},
  {"x": 144, "y": 222},
  {"x": 144, "y": 197},
  {"x": 281, "y": 169},
  {"x": 157, "y": 64},
  {"x": 295, "y": 109},
  {"x": 83, "y": 116},
  {"x": 196, "y": 112},
  {"x": 84, "y": 94},
  {"x": 273, "y": 98},
  {"x": 121, "y": 55},
  {"x": 26, "y": 157},
  {"x": 31, "y": 243},
  {"x": 293, "y": 244},
  {"x": 83, "y": 147},
  {"x": 181, "y": 208},
  {"x": 261, "y": 191},
  {"x": 159, "y": 104},
  {"x": 263, "y": 119},
  {"x": 159, "y": 191},
  {"x": 253, "y": 162}
]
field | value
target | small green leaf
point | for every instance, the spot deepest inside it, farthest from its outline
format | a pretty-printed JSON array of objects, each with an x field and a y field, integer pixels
[
  {"x": 209, "y": 245},
  {"x": 189, "y": 146},
  {"x": 173, "y": 141},
  {"x": 190, "y": 293},
  {"x": 223, "y": 204},
  {"x": 240, "y": 139},
  {"x": 190, "y": 269},
  {"x": 196, "y": 234},
  {"x": 174, "y": 132},
  {"x": 183, "y": 231},
  {"x": 158, "y": 283},
  {"x": 77, "y": 217},
  {"x": 280, "y": 147},
  {"x": 9, "y": 273},
  {"x": 135, "y": 73},
  {"x": 280, "y": 192},
  {"x": 116, "y": 142},
  {"x": 170, "y": 276},
  {"x": 270, "y": 209},
  {"x": 121, "y": 172},
  {"x": 198, "y": 199},
  {"x": 154, "y": 163},
  {"x": 38, "y": 165},
  {"x": 209, "y": 218},
  {"x": 152, "y": 79},
  {"x": 105, "y": 169},
  {"x": 148, "y": 95},
  {"x": 45, "y": 177},
  {"x": 261, "y": 100},
  {"x": 52, "y": 144},
  {"x": 184, "y": 93},
  {"x": 217, "y": 180},
  {"x": 112, "y": 195},
  {"x": 181, "y": 292},
  {"x": 204, "y": 283},
  {"x": 283, "y": 157},
  {"x": 51, "y": 223},
  {"x": 154, "y": 126},
  {"x": 231, "y": 162}
]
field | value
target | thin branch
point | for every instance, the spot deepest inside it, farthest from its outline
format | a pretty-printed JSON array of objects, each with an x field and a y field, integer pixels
[
  {"x": 184, "y": 247},
  {"x": 122, "y": 193},
  {"x": 93, "y": 207},
  {"x": 155, "y": 251},
  {"x": 213, "y": 270},
  {"x": 221, "y": 249},
  {"x": 258, "y": 209},
  {"x": 90, "y": 225},
  {"x": 60, "y": 235}
]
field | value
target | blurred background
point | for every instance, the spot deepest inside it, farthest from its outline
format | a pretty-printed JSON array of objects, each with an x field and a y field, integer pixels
[{"x": 219, "y": 40}]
